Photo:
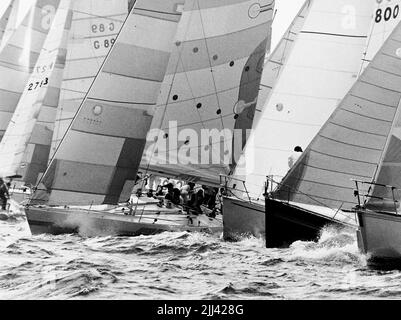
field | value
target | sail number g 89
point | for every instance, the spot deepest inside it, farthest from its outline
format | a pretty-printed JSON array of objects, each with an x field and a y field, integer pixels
[{"x": 106, "y": 43}]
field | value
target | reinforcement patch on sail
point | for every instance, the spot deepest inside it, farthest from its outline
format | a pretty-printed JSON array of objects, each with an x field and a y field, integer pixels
[
  {"x": 208, "y": 98},
  {"x": 19, "y": 56},
  {"x": 95, "y": 26},
  {"x": 315, "y": 75},
  {"x": 101, "y": 150},
  {"x": 351, "y": 143},
  {"x": 26, "y": 143}
]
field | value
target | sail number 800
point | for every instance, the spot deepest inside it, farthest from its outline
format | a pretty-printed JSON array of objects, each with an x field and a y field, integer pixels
[{"x": 387, "y": 14}]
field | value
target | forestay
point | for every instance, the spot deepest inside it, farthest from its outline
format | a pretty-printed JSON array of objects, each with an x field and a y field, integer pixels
[
  {"x": 20, "y": 55},
  {"x": 94, "y": 27},
  {"x": 100, "y": 153},
  {"x": 319, "y": 70},
  {"x": 351, "y": 143},
  {"x": 210, "y": 89},
  {"x": 25, "y": 146}
]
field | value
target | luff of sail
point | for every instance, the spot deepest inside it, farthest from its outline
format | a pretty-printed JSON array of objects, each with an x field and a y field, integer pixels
[
  {"x": 20, "y": 55},
  {"x": 25, "y": 138},
  {"x": 97, "y": 160},
  {"x": 351, "y": 143},
  {"x": 95, "y": 25},
  {"x": 321, "y": 68},
  {"x": 211, "y": 86}
]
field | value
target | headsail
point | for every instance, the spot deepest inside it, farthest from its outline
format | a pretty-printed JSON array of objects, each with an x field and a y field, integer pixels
[
  {"x": 278, "y": 58},
  {"x": 351, "y": 143},
  {"x": 97, "y": 160},
  {"x": 27, "y": 138},
  {"x": 210, "y": 89},
  {"x": 19, "y": 56},
  {"x": 319, "y": 70},
  {"x": 94, "y": 28},
  {"x": 16, "y": 13},
  {"x": 5, "y": 13}
]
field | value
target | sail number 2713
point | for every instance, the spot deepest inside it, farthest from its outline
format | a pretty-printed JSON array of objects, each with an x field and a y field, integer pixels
[
  {"x": 387, "y": 14},
  {"x": 38, "y": 84}
]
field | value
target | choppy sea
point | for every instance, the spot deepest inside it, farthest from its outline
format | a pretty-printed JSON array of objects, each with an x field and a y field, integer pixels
[{"x": 185, "y": 266}]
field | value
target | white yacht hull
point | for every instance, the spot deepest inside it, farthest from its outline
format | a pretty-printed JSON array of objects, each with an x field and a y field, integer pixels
[
  {"x": 379, "y": 235},
  {"x": 241, "y": 218},
  {"x": 100, "y": 223}
]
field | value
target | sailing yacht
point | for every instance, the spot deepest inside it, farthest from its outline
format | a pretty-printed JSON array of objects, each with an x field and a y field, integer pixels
[
  {"x": 312, "y": 68},
  {"x": 320, "y": 188},
  {"x": 93, "y": 170}
]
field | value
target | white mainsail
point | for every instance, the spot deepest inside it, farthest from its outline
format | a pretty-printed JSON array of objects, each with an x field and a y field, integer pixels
[
  {"x": 98, "y": 158},
  {"x": 351, "y": 143},
  {"x": 27, "y": 138},
  {"x": 323, "y": 64},
  {"x": 5, "y": 13},
  {"x": 16, "y": 13},
  {"x": 19, "y": 56},
  {"x": 210, "y": 89},
  {"x": 94, "y": 28}
]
